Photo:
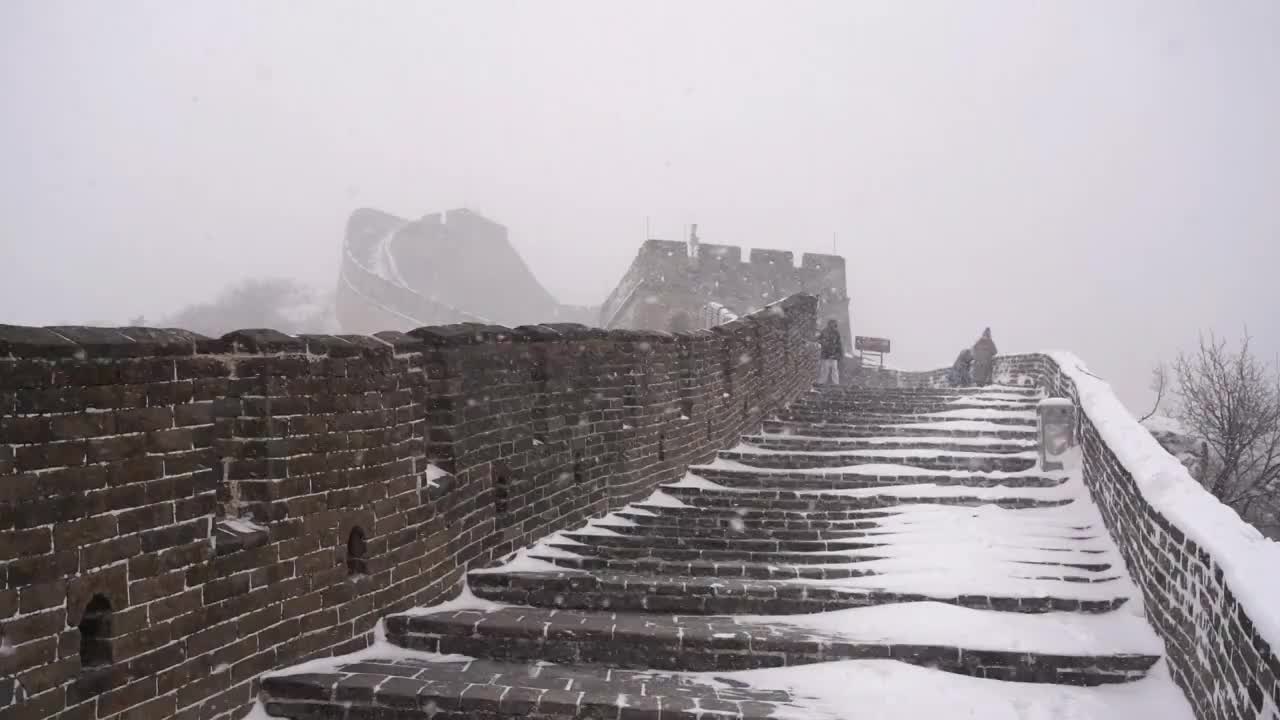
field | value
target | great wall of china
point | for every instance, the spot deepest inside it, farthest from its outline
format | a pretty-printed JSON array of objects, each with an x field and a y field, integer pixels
[{"x": 180, "y": 515}]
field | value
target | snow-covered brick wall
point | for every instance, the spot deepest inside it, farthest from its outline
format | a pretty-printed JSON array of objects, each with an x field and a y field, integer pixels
[
  {"x": 1208, "y": 578},
  {"x": 179, "y": 514}
]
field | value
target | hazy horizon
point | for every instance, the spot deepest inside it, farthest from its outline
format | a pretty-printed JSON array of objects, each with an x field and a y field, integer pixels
[{"x": 1101, "y": 179}]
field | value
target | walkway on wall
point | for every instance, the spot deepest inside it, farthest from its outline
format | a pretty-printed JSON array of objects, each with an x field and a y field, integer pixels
[{"x": 869, "y": 554}]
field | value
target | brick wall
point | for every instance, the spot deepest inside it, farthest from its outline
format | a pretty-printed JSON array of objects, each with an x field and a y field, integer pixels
[
  {"x": 179, "y": 514},
  {"x": 1215, "y": 654}
]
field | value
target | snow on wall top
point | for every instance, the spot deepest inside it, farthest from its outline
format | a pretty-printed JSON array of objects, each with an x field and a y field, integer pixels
[{"x": 1248, "y": 559}]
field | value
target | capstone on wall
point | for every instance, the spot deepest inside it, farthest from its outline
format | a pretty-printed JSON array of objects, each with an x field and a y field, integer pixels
[{"x": 179, "y": 514}]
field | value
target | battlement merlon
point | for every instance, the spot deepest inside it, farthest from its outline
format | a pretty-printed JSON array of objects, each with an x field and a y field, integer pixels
[{"x": 773, "y": 258}]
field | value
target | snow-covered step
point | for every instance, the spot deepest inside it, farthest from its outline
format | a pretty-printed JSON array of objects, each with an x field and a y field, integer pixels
[
  {"x": 732, "y": 569},
  {"x": 930, "y": 459},
  {"x": 818, "y": 443},
  {"x": 1068, "y": 648},
  {"x": 622, "y": 592},
  {"x": 909, "y": 406},
  {"x": 423, "y": 686},
  {"x": 815, "y": 415},
  {"x": 900, "y": 524},
  {"x": 746, "y": 477},
  {"x": 802, "y": 552},
  {"x": 830, "y": 504},
  {"x": 939, "y": 428},
  {"x": 1009, "y": 392}
]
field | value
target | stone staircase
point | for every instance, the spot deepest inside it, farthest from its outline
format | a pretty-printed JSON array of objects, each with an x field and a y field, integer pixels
[{"x": 859, "y": 527}]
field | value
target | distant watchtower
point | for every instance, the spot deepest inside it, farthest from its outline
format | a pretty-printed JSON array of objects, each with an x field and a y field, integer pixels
[{"x": 669, "y": 283}]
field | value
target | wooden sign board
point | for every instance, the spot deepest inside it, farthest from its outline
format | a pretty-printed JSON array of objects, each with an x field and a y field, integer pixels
[{"x": 871, "y": 344}]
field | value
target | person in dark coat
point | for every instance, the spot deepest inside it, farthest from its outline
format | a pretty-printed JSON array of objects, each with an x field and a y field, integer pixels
[
  {"x": 984, "y": 359},
  {"x": 958, "y": 376},
  {"x": 832, "y": 350}
]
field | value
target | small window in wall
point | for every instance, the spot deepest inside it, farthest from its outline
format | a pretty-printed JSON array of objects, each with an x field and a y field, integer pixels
[
  {"x": 501, "y": 490},
  {"x": 746, "y": 408},
  {"x": 579, "y": 474},
  {"x": 95, "y": 634},
  {"x": 686, "y": 408},
  {"x": 357, "y": 550},
  {"x": 708, "y": 428},
  {"x": 662, "y": 446}
]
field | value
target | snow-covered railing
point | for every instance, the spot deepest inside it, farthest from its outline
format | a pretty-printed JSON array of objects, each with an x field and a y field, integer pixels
[{"x": 1210, "y": 580}]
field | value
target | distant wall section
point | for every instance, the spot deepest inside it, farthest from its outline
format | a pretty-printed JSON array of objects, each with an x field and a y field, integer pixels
[
  {"x": 450, "y": 267},
  {"x": 668, "y": 281}
]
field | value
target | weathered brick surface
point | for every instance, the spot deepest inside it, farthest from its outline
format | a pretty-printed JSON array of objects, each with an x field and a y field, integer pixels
[
  {"x": 1215, "y": 653},
  {"x": 207, "y": 489}
]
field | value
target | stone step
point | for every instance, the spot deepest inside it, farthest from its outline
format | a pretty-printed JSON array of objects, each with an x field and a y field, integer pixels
[
  {"x": 704, "y": 568},
  {"x": 716, "y": 643},
  {"x": 966, "y": 461},
  {"x": 734, "y": 517},
  {"x": 622, "y": 592},
  {"x": 829, "y": 505},
  {"x": 790, "y": 552},
  {"x": 802, "y": 414},
  {"x": 731, "y": 543},
  {"x": 679, "y": 541},
  {"x": 820, "y": 444},
  {"x": 632, "y": 548},
  {"x": 772, "y": 570},
  {"x": 619, "y": 550},
  {"x": 905, "y": 407},
  {"x": 950, "y": 392},
  {"x": 770, "y": 478},
  {"x": 842, "y": 431},
  {"x": 737, "y": 528},
  {"x": 431, "y": 688}
]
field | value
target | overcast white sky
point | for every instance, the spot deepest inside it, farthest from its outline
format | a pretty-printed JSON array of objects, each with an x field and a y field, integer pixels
[{"x": 1097, "y": 176}]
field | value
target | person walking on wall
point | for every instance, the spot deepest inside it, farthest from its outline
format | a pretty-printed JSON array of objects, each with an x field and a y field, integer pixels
[
  {"x": 960, "y": 370},
  {"x": 832, "y": 351},
  {"x": 984, "y": 359}
]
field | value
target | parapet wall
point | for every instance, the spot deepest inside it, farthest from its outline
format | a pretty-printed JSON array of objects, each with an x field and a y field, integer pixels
[
  {"x": 179, "y": 514},
  {"x": 1207, "y": 578}
]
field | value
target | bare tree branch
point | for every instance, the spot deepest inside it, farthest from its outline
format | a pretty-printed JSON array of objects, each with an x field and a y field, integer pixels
[{"x": 1159, "y": 379}]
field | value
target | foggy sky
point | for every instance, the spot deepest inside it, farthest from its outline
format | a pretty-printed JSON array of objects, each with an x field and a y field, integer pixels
[{"x": 1096, "y": 176}]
